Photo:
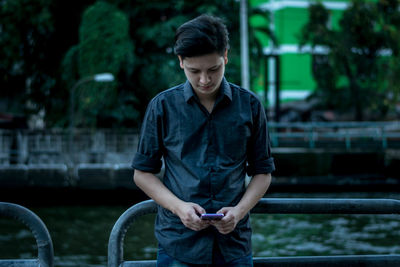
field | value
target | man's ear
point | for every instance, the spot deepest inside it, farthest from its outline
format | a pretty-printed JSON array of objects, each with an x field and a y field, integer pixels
[
  {"x": 180, "y": 61},
  {"x": 226, "y": 56}
]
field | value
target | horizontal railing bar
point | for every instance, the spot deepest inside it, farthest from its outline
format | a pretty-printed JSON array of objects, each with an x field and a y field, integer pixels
[
  {"x": 327, "y": 206},
  {"x": 298, "y": 261},
  {"x": 335, "y": 135},
  {"x": 349, "y": 124},
  {"x": 341, "y": 133},
  {"x": 19, "y": 263},
  {"x": 350, "y": 260},
  {"x": 148, "y": 263}
]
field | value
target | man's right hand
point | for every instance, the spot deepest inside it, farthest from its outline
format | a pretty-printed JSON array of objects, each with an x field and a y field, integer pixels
[{"x": 189, "y": 213}]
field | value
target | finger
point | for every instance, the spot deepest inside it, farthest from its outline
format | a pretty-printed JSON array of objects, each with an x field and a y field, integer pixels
[
  {"x": 216, "y": 223},
  {"x": 227, "y": 219},
  {"x": 199, "y": 209},
  {"x": 223, "y": 222},
  {"x": 227, "y": 226},
  {"x": 198, "y": 226},
  {"x": 225, "y": 230},
  {"x": 221, "y": 225},
  {"x": 195, "y": 226},
  {"x": 204, "y": 225},
  {"x": 223, "y": 210}
]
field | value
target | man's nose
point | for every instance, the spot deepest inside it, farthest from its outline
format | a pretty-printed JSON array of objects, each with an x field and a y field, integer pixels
[{"x": 204, "y": 78}]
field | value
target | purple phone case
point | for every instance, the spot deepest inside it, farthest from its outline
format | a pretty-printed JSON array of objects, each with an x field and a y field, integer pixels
[{"x": 212, "y": 216}]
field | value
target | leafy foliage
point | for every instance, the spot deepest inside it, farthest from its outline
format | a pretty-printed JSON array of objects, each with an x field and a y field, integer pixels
[
  {"x": 47, "y": 46},
  {"x": 26, "y": 29},
  {"x": 153, "y": 27},
  {"x": 256, "y": 42},
  {"x": 352, "y": 75},
  {"x": 101, "y": 49}
]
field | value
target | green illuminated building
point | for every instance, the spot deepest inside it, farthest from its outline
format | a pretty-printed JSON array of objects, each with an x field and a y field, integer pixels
[{"x": 286, "y": 66}]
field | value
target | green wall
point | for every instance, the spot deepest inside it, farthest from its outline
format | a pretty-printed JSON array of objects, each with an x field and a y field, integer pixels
[{"x": 296, "y": 80}]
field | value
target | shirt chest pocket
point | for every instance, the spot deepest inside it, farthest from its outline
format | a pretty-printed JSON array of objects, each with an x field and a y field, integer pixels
[
  {"x": 185, "y": 134},
  {"x": 234, "y": 142}
]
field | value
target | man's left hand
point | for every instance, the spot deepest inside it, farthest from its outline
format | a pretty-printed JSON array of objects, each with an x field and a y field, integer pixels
[{"x": 231, "y": 218}]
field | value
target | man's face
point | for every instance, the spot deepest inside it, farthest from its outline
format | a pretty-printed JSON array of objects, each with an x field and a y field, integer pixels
[{"x": 205, "y": 72}]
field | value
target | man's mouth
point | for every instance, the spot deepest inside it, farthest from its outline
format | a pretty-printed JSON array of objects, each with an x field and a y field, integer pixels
[{"x": 207, "y": 87}]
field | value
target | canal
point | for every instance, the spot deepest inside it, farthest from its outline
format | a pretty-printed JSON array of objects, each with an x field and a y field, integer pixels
[{"x": 80, "y": 233}]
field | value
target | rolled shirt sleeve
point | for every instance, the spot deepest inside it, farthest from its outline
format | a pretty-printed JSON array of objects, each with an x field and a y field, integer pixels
[
  {"x": 259, "y": 149},
  {"x": 149, "y": 151}
]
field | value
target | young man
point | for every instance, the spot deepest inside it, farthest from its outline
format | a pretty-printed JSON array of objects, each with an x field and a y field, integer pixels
[{"x": 209, "y": 133}]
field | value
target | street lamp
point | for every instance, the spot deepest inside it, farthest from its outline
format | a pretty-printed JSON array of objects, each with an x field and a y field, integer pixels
[
  {"x": 100, "y": 77},
  {"x": 103, "y": 77}
]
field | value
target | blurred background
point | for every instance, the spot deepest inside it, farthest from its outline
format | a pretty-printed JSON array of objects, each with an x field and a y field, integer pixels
[{"x": 76, "y": 77}]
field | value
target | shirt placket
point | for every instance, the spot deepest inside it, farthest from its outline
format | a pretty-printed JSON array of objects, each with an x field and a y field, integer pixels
[{"x": 211, "y": 156}]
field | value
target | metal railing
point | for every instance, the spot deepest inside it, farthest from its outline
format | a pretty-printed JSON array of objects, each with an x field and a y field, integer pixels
[
  {"x": 345, "y": 135},
  {"x": 118, "y": 146},
  {"x": 56, "y": 146},
  {"x": 39, "y": 230},
  {"x": 273, "y": 206}
]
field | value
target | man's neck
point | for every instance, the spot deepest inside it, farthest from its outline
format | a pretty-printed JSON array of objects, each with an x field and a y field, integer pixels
[{"x": 208, "y": 101}]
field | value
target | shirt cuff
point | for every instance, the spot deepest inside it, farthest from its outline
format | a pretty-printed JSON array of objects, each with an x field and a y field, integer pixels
[
  {"x": 146, "y": 164},
  {"x": 261, "y": 167}
]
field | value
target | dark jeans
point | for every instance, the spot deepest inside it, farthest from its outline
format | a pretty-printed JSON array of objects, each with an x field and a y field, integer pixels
[{"x": 164, "y": 260}]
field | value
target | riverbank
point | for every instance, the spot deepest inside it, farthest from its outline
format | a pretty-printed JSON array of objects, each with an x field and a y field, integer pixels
[
  {"x": 298, "y": 170},
  {"x": 301, "y": 164}
]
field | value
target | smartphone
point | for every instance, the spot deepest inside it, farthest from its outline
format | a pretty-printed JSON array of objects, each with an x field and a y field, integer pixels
[{"x": 212, "y": 216}]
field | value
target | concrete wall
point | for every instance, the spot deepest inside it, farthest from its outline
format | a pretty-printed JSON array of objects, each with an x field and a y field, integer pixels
[
  {"x": 83, "y": 176},
  {"x": 294, "y": 166},
  {"x": 306, "y": 162}
]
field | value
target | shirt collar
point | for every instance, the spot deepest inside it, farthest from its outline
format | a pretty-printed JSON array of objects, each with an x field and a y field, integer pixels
[{"x": 225, "y": 89}]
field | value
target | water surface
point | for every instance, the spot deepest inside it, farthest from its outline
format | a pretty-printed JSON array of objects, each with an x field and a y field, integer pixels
[{"x": 80, "y": 233}]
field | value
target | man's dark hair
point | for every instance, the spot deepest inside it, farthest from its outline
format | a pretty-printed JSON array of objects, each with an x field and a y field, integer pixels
[{"x": 200, "y": 36}]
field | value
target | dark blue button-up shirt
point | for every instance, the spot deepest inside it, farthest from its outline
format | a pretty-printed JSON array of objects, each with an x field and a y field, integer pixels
[{"x": 206, "y": 157}]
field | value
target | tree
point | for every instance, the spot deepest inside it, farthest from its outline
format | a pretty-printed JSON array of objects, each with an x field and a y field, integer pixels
[
  {"x": 101, "y": 49},
  {"x": 26, "y": 29},
  {"x": 352, "y": 74},
  {"x": 34, "y": 36},
  {"x": 260, "y": 36},
  {"x": 153, "y": 26},
  {"x": 389, "y": 21},
  {"x": 42, "y": 55}
]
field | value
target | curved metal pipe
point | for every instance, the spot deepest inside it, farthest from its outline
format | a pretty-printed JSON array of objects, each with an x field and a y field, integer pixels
[
  {"x": 116, "y": 240},
  {"x": 39, "y": 231}
]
